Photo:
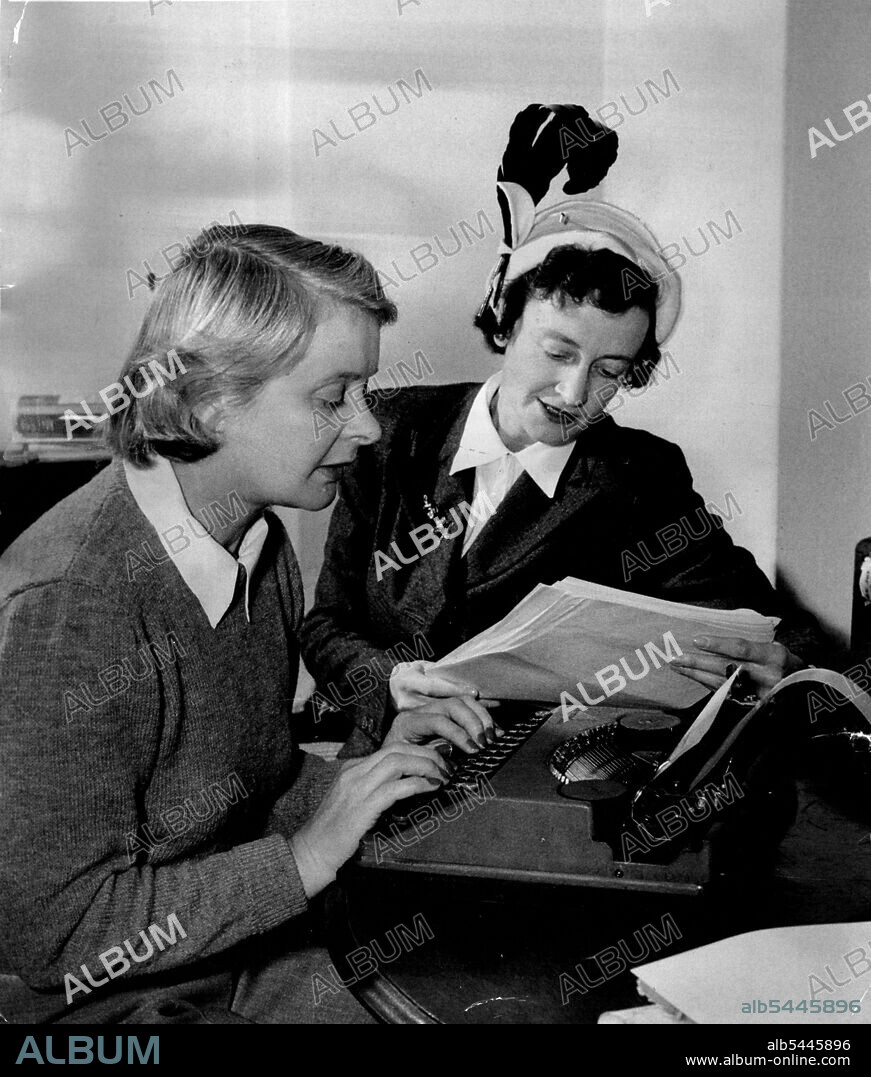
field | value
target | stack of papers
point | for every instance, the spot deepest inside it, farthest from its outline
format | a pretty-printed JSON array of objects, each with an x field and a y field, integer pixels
[
  {"x": 815, "y": 974},
  {"x": 579, "y": 643}
]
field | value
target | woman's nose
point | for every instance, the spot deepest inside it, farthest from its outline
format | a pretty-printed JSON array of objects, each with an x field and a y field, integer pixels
[
  {"x": 364, "y": 427},
  {"x": 573, "y": 387}
]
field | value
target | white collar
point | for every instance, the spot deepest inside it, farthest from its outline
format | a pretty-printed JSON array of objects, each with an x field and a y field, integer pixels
[
  {"x": 208, "y": 570},
  {"x": 480, "y": 444}
]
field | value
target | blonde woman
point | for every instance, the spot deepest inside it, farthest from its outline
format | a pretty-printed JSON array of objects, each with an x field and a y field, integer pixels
[{"x": 155, "y": 814}]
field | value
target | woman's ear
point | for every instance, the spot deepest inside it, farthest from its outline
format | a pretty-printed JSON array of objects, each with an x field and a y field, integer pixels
[{"x": 211, "y": 416}]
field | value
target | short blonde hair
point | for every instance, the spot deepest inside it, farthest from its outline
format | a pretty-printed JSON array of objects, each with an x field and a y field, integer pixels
[{"x": 238, "y": 310}]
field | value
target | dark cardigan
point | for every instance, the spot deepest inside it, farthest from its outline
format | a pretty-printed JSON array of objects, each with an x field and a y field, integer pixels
[{"x": 624, "y": 514}]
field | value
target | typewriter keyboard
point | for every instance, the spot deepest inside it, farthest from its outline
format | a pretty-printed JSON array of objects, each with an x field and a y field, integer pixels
[{"x": 472, "y": 768}]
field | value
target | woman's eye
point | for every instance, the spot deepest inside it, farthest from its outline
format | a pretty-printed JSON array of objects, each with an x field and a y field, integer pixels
[
  {"x": 610, "y": 375},
  {"x": 559, "y": 357},
  {"x": 333, "y": 398}
]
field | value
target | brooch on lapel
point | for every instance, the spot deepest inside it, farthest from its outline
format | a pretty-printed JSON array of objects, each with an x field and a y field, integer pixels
[{"x": 439, "y": 522}]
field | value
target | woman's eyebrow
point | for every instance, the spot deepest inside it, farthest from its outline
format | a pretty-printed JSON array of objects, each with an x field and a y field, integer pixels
[
  {"x": 345, "y": 375},
  {"x": 554, "y": 335}
]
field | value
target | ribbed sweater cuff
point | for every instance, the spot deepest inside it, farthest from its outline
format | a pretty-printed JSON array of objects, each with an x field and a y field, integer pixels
[{"x": 269, "y": 873}]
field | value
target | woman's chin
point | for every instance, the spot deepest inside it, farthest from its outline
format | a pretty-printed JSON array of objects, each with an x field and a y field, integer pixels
[
  {"x": 556, "y": 435},
  {"x": 313, "y": 497},
  {"x": 320, "y": 496}
]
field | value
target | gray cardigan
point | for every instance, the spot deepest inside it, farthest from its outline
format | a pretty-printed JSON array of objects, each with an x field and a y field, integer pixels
[{"x": 148, "y": 767}]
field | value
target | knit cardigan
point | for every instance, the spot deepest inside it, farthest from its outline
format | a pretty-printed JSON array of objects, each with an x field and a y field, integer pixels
[{"x": 149, "y": 774}]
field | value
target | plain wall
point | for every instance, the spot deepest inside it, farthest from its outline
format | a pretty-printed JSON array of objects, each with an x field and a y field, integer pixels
[
  {"x": 691, "y": 158},
  {"x": 825, "y": 486}
]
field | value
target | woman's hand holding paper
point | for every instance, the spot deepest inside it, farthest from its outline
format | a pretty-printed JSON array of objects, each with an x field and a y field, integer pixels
[
  {"x": 765, "y": 664},
  {"x": 412, "y": 684}
]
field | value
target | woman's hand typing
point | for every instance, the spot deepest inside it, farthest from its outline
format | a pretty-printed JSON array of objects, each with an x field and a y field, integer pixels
[
  {"x": 432, "y": 705},
  {"x": 363, "y": 789},
  {"x": 461, "y": 720}
]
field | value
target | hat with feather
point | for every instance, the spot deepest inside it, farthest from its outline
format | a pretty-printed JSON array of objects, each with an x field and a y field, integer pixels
[{"x": 543, "y": 140}]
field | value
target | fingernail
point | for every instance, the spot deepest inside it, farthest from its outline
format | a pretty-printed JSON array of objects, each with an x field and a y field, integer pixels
[
  {"x": 433, "y": 782},
  {"x": 702, "y": 641},
  {"x": 500, "y": 732},
  {"x": 481, "y": 741}
]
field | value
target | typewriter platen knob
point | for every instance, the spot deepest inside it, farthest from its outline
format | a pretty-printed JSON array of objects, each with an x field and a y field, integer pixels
[{"x": 648, "y": 731}]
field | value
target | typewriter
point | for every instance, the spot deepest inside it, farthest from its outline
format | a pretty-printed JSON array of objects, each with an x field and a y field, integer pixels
[{"x": 596, "y": 803}]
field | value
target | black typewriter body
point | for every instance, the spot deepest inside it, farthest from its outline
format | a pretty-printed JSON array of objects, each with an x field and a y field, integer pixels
[{"x": 575, "y": 803}]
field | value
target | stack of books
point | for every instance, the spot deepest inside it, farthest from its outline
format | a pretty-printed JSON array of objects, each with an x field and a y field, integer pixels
[{"x": 51, "y": 430}]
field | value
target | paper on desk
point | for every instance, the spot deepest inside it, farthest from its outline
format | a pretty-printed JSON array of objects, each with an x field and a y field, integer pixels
[
  {"x": 593, "y": 642},
  {"x": 811, "y": 963}
]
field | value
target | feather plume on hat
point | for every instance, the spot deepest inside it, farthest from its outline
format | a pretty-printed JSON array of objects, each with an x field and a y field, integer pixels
[{"x": 544, "y": 140}]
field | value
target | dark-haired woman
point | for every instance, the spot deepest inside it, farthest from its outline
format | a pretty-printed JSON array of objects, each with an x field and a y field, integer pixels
[{"x": 476, "y": 493}]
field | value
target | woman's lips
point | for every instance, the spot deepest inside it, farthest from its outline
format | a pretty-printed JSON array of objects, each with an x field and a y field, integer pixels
[
  {"x": 559, "y": 416},
  {"x": 334, "y": 471}
]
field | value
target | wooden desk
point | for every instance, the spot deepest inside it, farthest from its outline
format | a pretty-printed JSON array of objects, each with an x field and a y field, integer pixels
[{"x": 492, "y": 953}]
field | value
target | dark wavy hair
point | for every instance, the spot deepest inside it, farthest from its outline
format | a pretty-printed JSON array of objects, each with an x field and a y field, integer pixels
[
  {"x": 239, "y": 309},
  {"x": 575, "y": 274}
]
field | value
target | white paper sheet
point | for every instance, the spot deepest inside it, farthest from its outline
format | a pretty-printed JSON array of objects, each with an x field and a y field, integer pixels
[
  {"x": 811, "y": 963},
  {"x": 617, "y": 645}
]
